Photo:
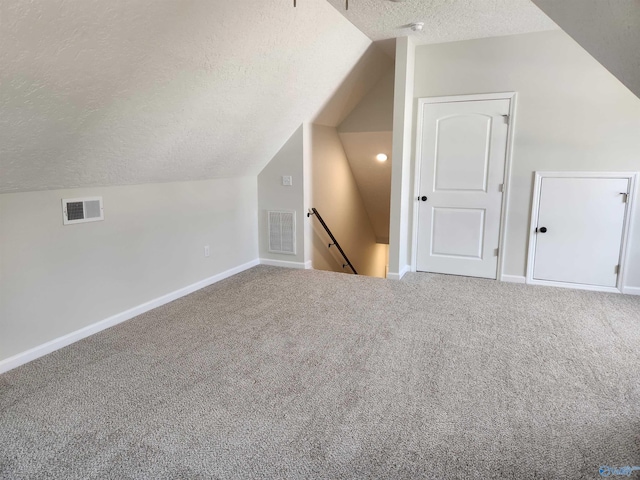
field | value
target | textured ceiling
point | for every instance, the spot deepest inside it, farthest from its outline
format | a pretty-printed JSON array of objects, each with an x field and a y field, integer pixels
[
  {"x": 445, "y": 20},
  {"x": 608, "y": 29},
  {"x": 96, "y": 92}
]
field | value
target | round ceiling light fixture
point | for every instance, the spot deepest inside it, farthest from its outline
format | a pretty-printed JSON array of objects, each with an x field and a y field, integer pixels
[{"x": 381, "y": 157}]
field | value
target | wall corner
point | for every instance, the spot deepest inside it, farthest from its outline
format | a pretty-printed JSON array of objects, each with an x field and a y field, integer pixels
[{"x": 401, "y": 207}]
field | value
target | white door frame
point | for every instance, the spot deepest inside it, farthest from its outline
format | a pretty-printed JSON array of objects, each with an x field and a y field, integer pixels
[
  {"x": 626, "y": 230},
  {"x": 512, "y": 97}
]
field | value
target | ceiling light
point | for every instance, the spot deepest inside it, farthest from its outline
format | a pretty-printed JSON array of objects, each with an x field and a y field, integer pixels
[
  {"x": 417, "y": 27},
  {"x": 381, "y": 157}
]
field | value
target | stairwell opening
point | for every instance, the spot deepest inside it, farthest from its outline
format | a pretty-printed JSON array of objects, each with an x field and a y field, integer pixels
[{"x": 351, "y": 187}]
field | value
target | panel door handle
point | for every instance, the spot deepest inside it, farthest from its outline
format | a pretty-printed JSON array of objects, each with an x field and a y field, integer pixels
[{"x": 423, "y": 198}]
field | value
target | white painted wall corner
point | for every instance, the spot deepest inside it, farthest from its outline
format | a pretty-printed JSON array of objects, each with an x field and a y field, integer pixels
[
  {"x": 513, "y": 278},
  {"x": 398, "y": 276},
  {"x": 631, "y": 290}
]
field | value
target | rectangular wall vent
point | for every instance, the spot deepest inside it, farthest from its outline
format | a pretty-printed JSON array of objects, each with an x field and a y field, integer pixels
[
  {"x": 81, "y": 210},
  {"x": 282, "y": 232}
]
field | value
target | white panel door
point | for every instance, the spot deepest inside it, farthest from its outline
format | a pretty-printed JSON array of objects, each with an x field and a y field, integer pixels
[
  {"x": 579, "y": 230},
  {"x": 462, "y": 152}
]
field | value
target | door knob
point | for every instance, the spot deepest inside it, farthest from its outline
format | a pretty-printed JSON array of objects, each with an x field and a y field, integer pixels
[
  {"x": 543, "y": 230},
  {"x": 423, "y": 198}
]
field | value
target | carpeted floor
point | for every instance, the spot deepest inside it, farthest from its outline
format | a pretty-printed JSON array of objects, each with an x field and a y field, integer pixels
[{"x": 279, "y": 373}]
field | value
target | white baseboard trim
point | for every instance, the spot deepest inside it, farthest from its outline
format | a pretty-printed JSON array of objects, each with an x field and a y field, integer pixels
[
  {"x": 60, "y": 342},
  {"x": 513, "y": 278},
  {"x": 631, "y": 290},
  {"x": 308, "y": 265},
  {"x": 398, "y": 276},
  {"x": 574, "y": 286},
  {"x": 285, "y": 264}
]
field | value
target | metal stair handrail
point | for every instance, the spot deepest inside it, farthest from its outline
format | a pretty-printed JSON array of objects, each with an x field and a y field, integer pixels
[{"x": 333, "y": 239}]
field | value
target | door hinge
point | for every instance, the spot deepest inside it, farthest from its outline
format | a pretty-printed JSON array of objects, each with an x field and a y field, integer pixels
[
  {"x": 501, "y": 188},
  {"x": 506, "y": 119},
  {"x": 496, "y": 252},
  {"x": 617, "y": 269},
  {"x": 625, "y": 198}
]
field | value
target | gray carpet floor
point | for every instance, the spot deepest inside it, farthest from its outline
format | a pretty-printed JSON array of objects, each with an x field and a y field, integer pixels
[{"x": 278, "y": 373}]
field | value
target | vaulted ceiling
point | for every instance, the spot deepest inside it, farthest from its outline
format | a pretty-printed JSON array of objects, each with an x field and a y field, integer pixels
[
  {"x": 444, "y": 20},
  {"x": 608, "y": 29},
  {"x": 96, "y": 92}
]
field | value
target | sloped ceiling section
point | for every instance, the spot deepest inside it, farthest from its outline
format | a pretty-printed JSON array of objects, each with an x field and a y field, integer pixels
[
  {"x": 372, "y": 177},
  {"x": 375, "y": 112},
  {"x": 96, "y": 92},
  {"x": 363, "y": 77},
  {"x": 446, "y": 20},
  {"x": 608, "y": 29},
  {"x": 366, "y": 132}
]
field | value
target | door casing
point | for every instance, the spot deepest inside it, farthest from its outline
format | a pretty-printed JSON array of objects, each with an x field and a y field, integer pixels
[
  {"x": 512, "y": 97},
  {"x": 627, "y": 228}
]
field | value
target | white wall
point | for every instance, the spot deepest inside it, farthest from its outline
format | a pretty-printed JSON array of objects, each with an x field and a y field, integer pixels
[
  {"x": 335, "y": 194},
  {"x": 56, "y": 279},
  {"x": 399, "y": 224},
  {"x": 372, "y": 177},
  {"x": 272, "y": 195},
  {"x": 572, "y": 114}
]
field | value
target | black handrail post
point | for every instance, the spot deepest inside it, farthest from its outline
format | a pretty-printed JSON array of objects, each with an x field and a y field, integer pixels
[{"x": 333, "y": 239}]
